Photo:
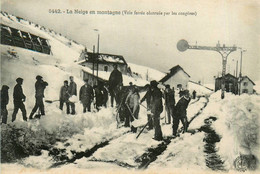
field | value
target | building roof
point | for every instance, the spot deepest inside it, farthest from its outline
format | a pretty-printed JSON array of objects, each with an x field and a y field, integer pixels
[
  {"x": 227, "y": 75},
  {"x": 104, "y": 58},
  {"x": 244, "y": 77},
  {"x": 173, "y": 71}
]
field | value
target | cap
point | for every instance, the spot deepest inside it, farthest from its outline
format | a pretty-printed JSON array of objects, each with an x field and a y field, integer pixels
[
  {"x": 38, "y": 77},
  {"x": 154, "y": 83},
  {"x": 19, "y": 79},
  {"x": 186, "y": 91},
  {"x": 5, "y": 87},
  {"x": 167, "y": 86}
]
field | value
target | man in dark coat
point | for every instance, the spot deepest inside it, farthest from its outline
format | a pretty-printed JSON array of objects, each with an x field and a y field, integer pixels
[
  {"x": 194, "y": 94},
  {"x": 86, "y": 96},
  {"x": 19, "y": 98},
  {"x": 72, "y": 91},
  {"x": 4, "y": 102},
  {"x": 147, "y": 97},
  {"x": 64, "y": 96},
  {"x": 169, "y": 97},
  {"x": 156, "y": 109},
  {"x": 101, "y": 95},
  {"x": 181, "y": 113},
  {"x": 122, "y": 108},
  {"x": 115, "y": 79},
  {"x": 40, "y": 86}
]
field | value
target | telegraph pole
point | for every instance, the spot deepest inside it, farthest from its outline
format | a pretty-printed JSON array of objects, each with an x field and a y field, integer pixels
[
  {"x": 240, "y": 73},
  {"x": 97, "y": 54},
  {"x": 224, "y": 51},
  {"x": 93, "y": 59}
]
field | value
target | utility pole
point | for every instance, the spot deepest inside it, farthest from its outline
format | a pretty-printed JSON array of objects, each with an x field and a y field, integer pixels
[
  {"x": 224, "y": 51},
  {"x": 236, "y": 68},
  {"x": 240, "y": 73},
  {"x": 97, "y": 54},
  {"x": 93, "y": 59}
]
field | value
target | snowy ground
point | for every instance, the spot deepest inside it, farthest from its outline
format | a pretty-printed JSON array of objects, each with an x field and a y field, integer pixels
[{"x": 92, "y": 141}]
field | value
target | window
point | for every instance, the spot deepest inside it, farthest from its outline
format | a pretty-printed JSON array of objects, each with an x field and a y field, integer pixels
[
  {"x": 245, "y": 83},
  {"x": 244, "y": 91},
  {"x": 106, "y": 68}
]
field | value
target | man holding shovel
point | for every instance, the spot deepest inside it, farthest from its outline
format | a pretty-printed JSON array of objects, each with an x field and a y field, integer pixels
[
  {"x": 156, "y": 109},
  {"x": 147, "y": 97},
  {"x": 132, "y": 103}
]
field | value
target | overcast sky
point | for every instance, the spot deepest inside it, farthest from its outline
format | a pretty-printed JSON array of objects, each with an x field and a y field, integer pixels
[{"x": 151, "y": 40}]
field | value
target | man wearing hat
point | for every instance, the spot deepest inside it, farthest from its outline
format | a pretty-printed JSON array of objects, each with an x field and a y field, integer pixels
[
  {"x": 19, "y": 98},
  {"x": 86, "y": 96},
  {"x": 181, "y": 112},
  {"x": 156, "y": 109},
  {"x": 40, "y": 86},
  {"x": 115, "y": 79},
  {"x": 4, "y": 102},
  {"x": 64, "y": 96},
  {"x": 169, "y": 102}
]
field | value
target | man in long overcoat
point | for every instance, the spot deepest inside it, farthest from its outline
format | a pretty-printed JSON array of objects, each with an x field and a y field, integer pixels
[
  {"x": 86, "y": 96},
  {"x": 181, "y": 113},
  {"x": 156, "y": 109},
  {"x": 4, "y": 103},
  {"x": 115, "y": 79}
]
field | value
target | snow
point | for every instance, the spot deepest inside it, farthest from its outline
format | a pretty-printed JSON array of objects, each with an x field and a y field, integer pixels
[
  {"x": 200, "y": 89},
  {"x": 126, "y": 79},
  {"x": 237, "y": 123},
  {"x": 237, "y": 118},
  {"x": 182, "y": 153},
  {"x": 153, "y": 74}
]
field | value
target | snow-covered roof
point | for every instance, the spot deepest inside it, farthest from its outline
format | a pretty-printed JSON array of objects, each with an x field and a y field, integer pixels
[
  {"x": 104, "y": 58},
  {"x": 103, "y": 75},
  {"x": 173, "y": 71},
  {"x": 245, "y": 77}
]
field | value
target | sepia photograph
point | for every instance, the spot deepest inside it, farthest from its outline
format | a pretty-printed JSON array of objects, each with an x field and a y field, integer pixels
[{"x": 133, "y": 86}]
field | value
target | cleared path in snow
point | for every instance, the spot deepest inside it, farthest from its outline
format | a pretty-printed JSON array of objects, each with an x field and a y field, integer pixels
[{"x": 127, "y": 151}]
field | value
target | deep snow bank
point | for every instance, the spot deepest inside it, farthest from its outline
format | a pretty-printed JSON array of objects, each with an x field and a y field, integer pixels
[{"x": 237, "y": 123}]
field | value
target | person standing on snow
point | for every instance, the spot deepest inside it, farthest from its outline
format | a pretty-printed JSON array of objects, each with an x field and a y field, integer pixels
[
  {"x": 194, "y": 94},
  {"x": 4, "y": 102},
  {"x": 72, "y": 91},
  {"x": 169, "y": 102},
  {"x": 156, "y": 109},
  {"x": 181, "y": 113},
  {"x": 40, "y": 86},
  {"x": 101, "y": 95},
  {"x": 123, "y": 92},
  {"x": 115, "y": 79},
  {"x": 19, "y": 98},
  {"x": 147, "y": 97},
  {"x": 132, "y": 102},
  {"x": 64, "y": 96},
  {"x": 86, "y": 96}
]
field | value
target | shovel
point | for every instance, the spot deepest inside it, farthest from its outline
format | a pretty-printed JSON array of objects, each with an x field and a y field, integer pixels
[
  {"x": 117, "y": 112},
  {"x": 136, "y": 123},
  {"x": 143, "y": 128}
]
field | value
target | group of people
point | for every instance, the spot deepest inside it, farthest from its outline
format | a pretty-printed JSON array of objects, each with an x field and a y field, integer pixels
[
  {"x": 127, "y": 99},
  {"x": 19, "y": 99}
]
